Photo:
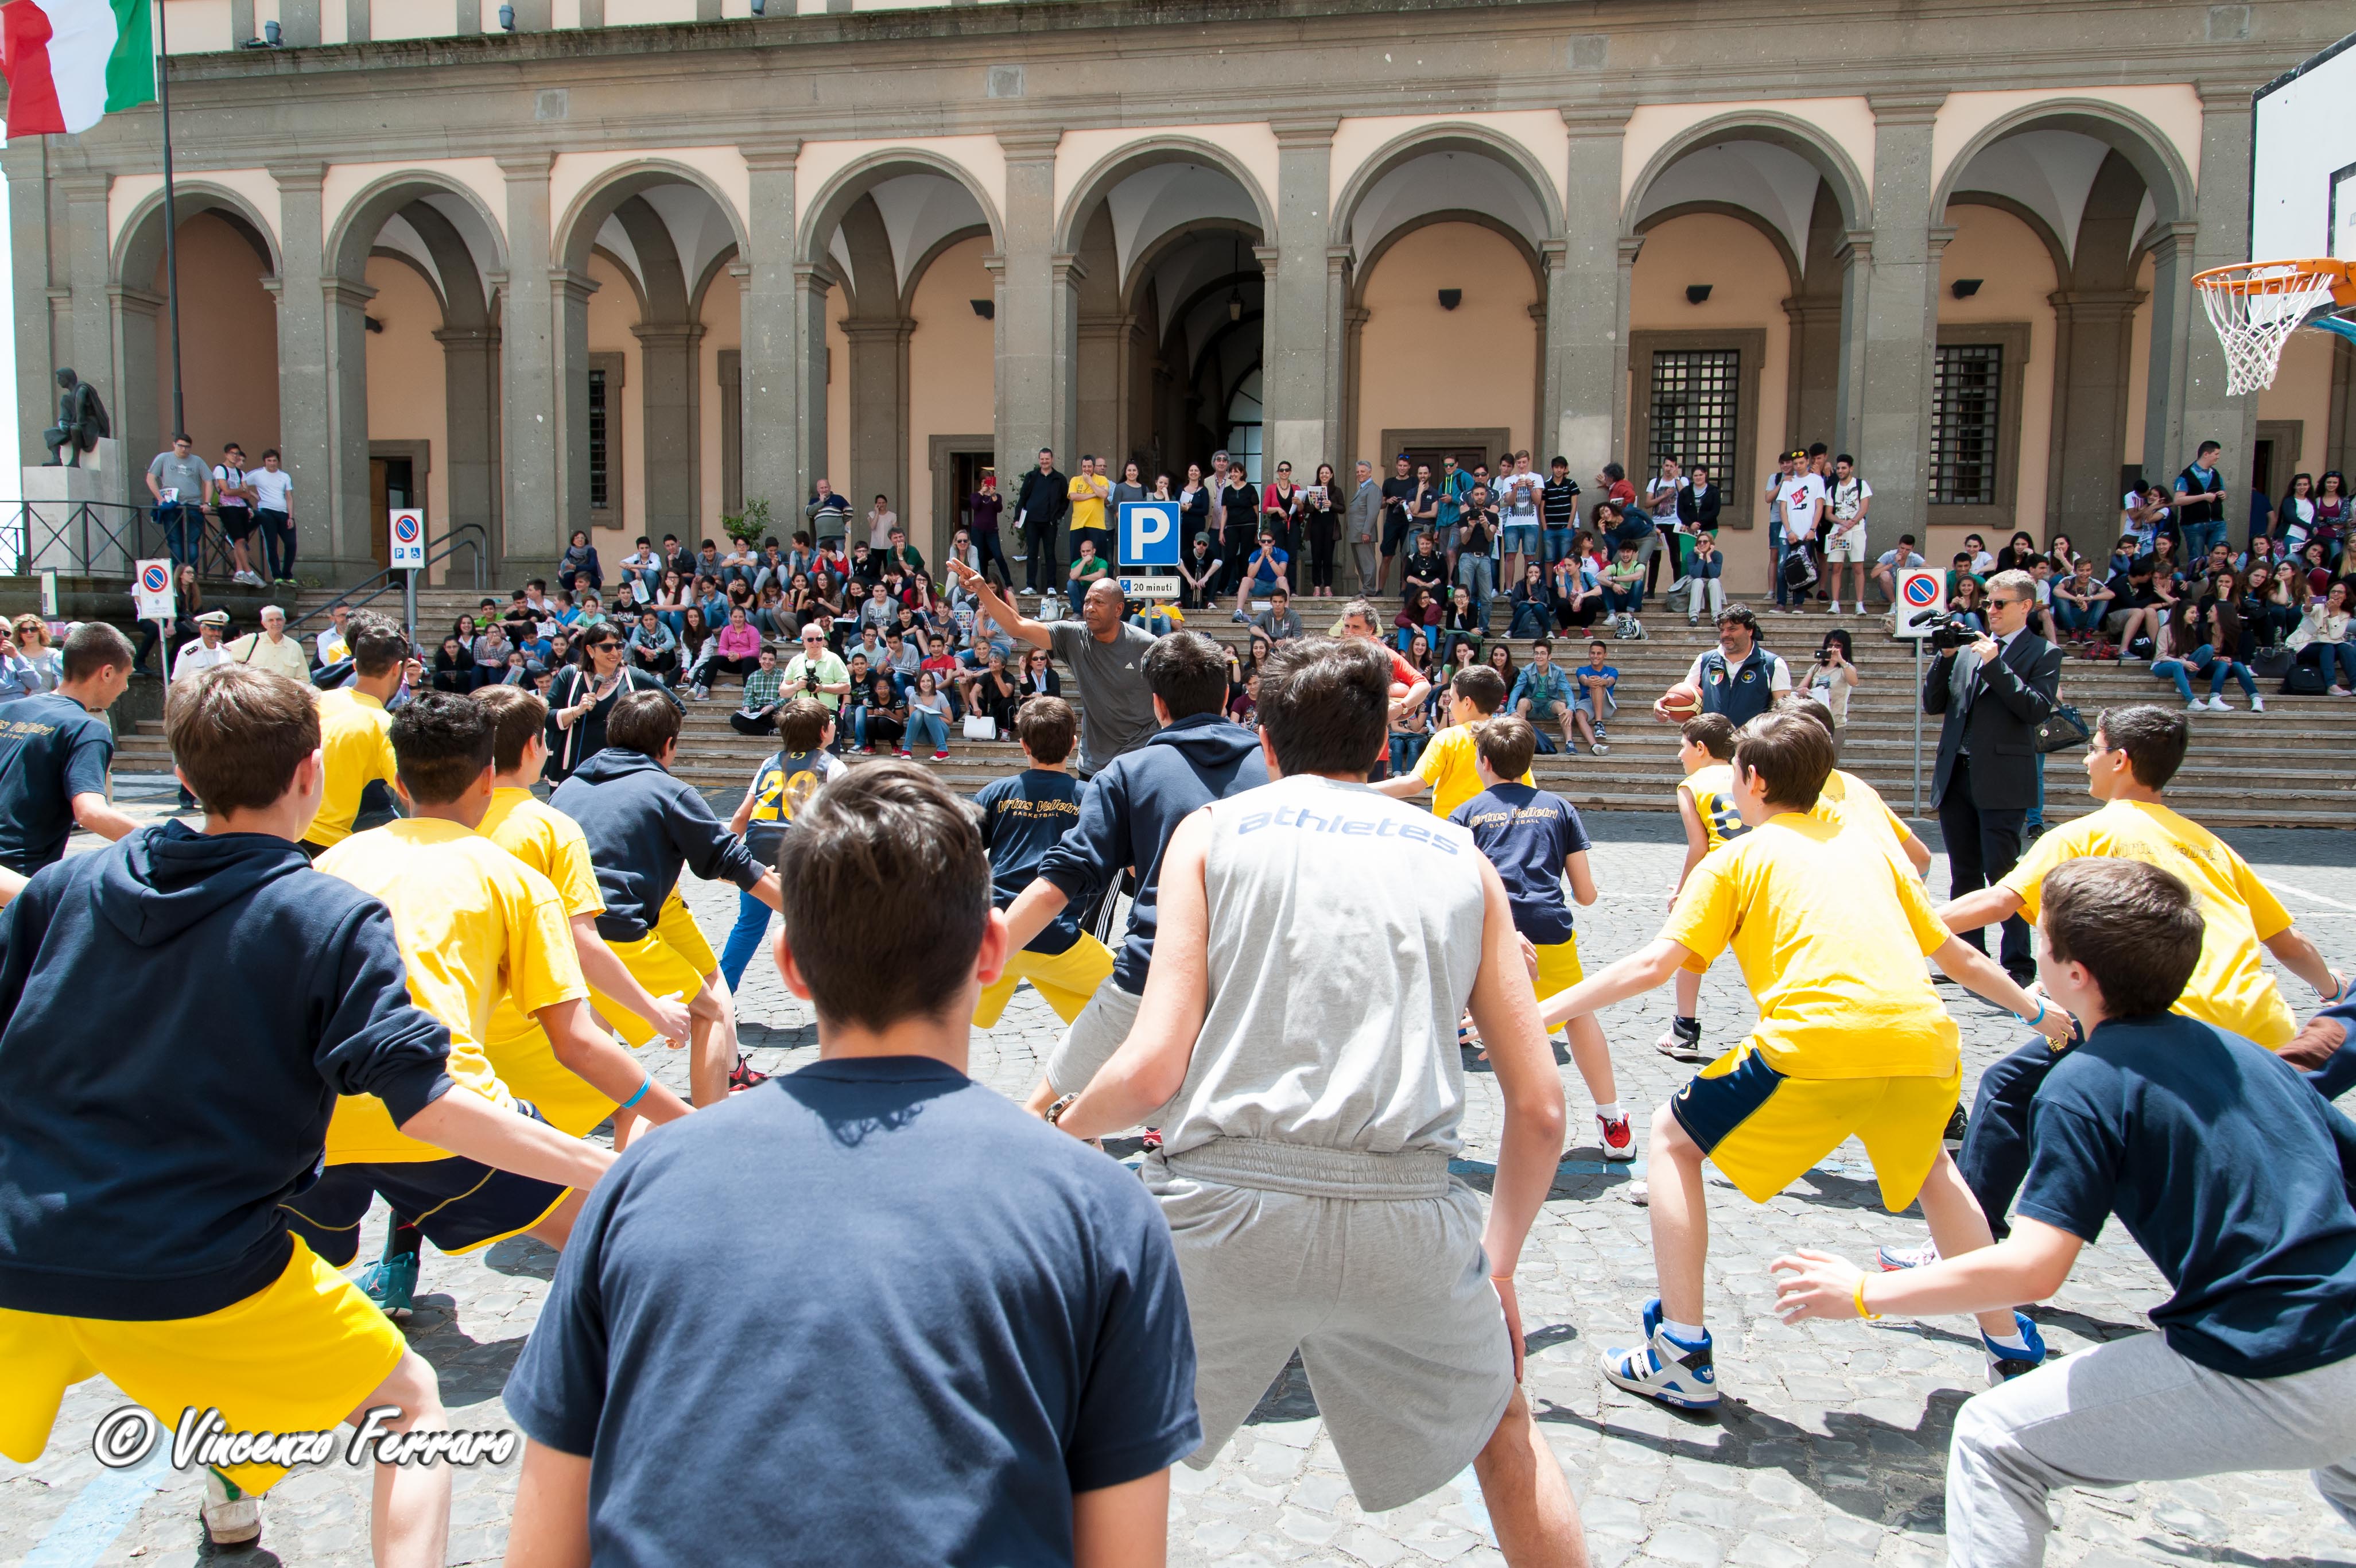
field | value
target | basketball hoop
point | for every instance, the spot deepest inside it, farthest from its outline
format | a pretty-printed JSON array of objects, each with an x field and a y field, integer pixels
[{"x": 2256, "y": 306}]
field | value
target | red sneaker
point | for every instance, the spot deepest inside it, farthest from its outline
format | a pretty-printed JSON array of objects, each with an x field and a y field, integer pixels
[
  {"x": 1619, "y": 1142},
  {"x": 745, "y": 1076}
]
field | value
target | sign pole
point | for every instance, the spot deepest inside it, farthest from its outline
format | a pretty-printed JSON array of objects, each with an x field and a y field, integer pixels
[
  {"x": 1918, "y": 729},
  {"x": 409, "y": 611}
]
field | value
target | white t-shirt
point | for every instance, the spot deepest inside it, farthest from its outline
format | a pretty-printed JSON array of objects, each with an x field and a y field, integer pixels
[
  {"x": 1982, "y": 564},
  {"x": 1518, "y": 496},
  {"x": 1847, "y": 495},
  {"x": 1800, "y": 496},
  {"x": 271, "y": 487},
  {"x": 227, "y": 476}
]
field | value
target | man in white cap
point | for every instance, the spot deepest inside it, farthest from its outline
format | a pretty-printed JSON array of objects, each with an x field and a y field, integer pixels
[{"x": 208, "y": 651}]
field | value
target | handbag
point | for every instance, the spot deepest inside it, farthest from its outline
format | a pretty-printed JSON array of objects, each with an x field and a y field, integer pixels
[
  {"x": 981, "y": 726},
  {"x": 2305, "y": 679},
  {"x": 2272, "y": 663},
  {"x": 2062, "y": 730}
]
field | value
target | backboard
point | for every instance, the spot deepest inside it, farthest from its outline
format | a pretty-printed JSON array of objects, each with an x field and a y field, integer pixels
[{"x": 2303, "y": 160}]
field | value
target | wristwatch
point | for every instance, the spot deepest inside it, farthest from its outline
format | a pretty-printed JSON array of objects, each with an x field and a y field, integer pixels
[{"x": 1055, "y": 1111}]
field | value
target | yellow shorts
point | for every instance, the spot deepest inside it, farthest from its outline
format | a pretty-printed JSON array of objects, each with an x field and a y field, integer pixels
[
  {"x": 298, "y": 1354},
  {"x": 1764, "y": 1130},
  {"x": 1064, "y": 979},
  {"x": 670, "y": 959},
  {"x": 1559, "y": 969}
]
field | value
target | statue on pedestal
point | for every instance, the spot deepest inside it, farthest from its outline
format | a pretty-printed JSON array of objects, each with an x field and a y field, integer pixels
[{"x": 81, "y": 422}]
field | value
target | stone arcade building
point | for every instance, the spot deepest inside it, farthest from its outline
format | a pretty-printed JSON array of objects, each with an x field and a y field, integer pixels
[{"x": 637, "y": 261}]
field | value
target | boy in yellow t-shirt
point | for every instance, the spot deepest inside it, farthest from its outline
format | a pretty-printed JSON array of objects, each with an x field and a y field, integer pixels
[
  {"x": 353, "y": 729},
  {"x": 1830, "y": 930},
  {"x": 2133, "y": 753},
  {"x": 473, "y": 923},
  {"x": 553, "y": 844},
  {"x": 1449, "y": 766},
  {"x": 1705, "y": 808}
]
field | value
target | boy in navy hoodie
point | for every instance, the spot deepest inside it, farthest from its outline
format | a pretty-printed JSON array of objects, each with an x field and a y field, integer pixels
[
  {"x": 1022, "y": 817},
  {"x": 141, "y": 1236},
  {"x": 644, "y": 826}
]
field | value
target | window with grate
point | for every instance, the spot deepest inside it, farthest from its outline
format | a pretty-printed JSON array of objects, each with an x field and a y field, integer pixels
[
  {"x": 1696, "y": 393},
  {"x": 598, "y": 467},
  {"x": 1964, "y": 396}
]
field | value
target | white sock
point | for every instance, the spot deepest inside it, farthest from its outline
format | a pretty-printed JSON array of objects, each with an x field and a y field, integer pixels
[
  {"x": 2013, "y": 1342},
  {"x": 1608, "y": 1112},
  {"x": 1690, "y": 1333}
]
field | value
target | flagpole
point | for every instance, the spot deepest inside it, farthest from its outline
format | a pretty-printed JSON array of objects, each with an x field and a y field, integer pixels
[{"x": 171, "y": 217}]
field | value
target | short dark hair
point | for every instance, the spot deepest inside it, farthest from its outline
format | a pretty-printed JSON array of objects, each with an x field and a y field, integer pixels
[
  {"x": 1506, "y": 744},
  {"x": 801, "y": 724},
  {"x": 643, "y": 722},
  {"x": 92, "y": 647},
  {"x": 1844, "y": 457},
  {"x": 376, "y": 642},
  {"x": 2132, "y": 924},
  {"x": 519, "y": 717},
  {"x": 1324, "y": 704},
  {"x": 1045, "y": 727},
  {"x": 1811, "y": 709},
  {"x": 441, "y": 744},
  {"x": 1714, "y": 733},
  {"x": 1481, "y": 685},
  {"x": 1189, "y": 673},
  {"x": 237, "y": 734},
  {"x": 2206, "y": 448},
  {"x": 1792, "y": 756},
  {"x": 1817, "y": 449},
  {"x": 1738, "y": 615},
  {"x": 891, "y": 840},
  {"x": 2154, "y": 739}
]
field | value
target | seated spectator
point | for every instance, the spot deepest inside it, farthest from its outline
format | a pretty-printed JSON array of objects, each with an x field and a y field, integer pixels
[
  {"x": 1575, "y": 586},
  {"x": 1533, "y": 602},
  {"x": 929, "y": 716},
  {"x": 2182, "y": 648},
  {"x": 739, "y": 564},
  {"x": 1243, "y": 701},
  {"x": 654, "y": 648},
  {"x": 880, "y": 717},
  {"x": 1279, "y": 620},
  {"x": 2323, "y": 638},
  {"x": 1039, "y": 678},
  {"x": 1411, "y": 731},
  {"x": 1418, "y": 611},
  {"x": 1959, "y": 572},
  {"x": 492, "y": 647},
  {"x": 1463, "y": 623},
  {"x": 995, "y": 693},
  {"x": 1426, "y": 568},
  {"x": 1969, "y": 601},
  {"x": 1198, "y": 575},
  {"x": 758, "y": 715},
  {"x": 1833, "y": 677},
  {"x": 2081, "y": 602},
  {"x": 1598, "y": 698},
  {"x": 1543, "y": 694},
  {"x": 1088, "y": 569},
  {"x": 1624, "y": 588},
  {"x": 2018, "y": 554},
  {"x": 453, "y": 666},
  {"x": 2267, "y": 613},
  {"x": 2063, "y": 557},
  {"x": 578, "y": 568},
  {"x": 734, "y": 649},
  {"x": 1704, "y": 579}
]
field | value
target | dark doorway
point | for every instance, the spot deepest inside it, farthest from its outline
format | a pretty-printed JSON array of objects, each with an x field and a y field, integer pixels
[{"x": 392, "y": 482}]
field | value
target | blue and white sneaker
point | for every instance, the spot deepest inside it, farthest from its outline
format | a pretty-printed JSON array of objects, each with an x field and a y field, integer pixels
[
  {"x": 392, "y": 1283},
  {"x": 2004, "y": 1364},
  {"x": 1893, "y": 1259},
  {"x": 1665, "y": 1370}
]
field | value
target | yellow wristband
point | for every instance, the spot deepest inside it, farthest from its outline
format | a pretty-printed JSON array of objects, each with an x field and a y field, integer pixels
[{"x": 1862, "y": 1310}]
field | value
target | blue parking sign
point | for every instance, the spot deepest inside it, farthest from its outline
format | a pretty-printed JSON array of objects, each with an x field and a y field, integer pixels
[{"x": 1148, "y": 533}]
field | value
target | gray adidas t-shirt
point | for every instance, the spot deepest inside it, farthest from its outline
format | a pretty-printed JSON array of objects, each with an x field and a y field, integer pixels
[
  {"x": 1345, "y": 936},
  {"x": 1116, "y": 708}
]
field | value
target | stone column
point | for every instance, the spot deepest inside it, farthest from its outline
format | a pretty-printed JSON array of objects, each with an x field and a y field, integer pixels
[
  {"x": 809, "y": 372},
  {"x": 534, "y": 517},
  {"x": 1297, "y": 363},
  {"x": 352, "y": 533},
  {"x": 2094, "y": 340},
  {"x": 1065, "y": 273},
  {"x": 2174, "y": 318},
  {"x": 470, "y": 459},
  {"x": 879, "y": 414},
  {"x": 671, "y": 366},
  {"x": 89, "y": 264},
  {"x": 1901, "y": 315},
  {"x": 774, "y": 467},
  {"x": 28, "y": 267},
  {"x": 1342, "y": 440},
  {"x": 1856, "y": 257},
  {"x": 1104, "y": 372},
  {"x": 1030, "y": 413},
  {"x": 1586, "y": 375},
  {"x": 1813, "y": 408},
  {"x": 145, "y": 376},
  {"x": 568, "y": 303},
  {"x": 298, "y": 21},
  {"x": 2223, "y": 209},
  {"x": 304, "y": 430}
]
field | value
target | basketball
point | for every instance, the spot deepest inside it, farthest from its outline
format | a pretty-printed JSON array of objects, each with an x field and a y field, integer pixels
[{"x": 1679, "y": 703}]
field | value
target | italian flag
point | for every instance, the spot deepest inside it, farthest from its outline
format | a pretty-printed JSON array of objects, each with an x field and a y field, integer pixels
[{"x": 71, "y": 62}]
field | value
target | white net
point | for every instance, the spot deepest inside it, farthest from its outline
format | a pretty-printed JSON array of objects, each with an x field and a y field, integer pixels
[{"x": 2256, "y": 309}]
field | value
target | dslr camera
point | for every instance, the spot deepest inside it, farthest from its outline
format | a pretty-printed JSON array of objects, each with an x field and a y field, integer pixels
[{"x": 1949, "y": 631}]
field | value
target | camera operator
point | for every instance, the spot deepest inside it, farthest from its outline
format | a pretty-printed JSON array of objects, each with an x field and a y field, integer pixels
[
  {"x": 817, "y": 671},
  {"x": 1833, "y": 676},
  {"x": 1993, "y": 690}
]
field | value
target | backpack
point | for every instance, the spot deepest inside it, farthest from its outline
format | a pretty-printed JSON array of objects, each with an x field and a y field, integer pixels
[
  {"x": 1799, "y": 567},
  {"x": 2305, "y": 680}
]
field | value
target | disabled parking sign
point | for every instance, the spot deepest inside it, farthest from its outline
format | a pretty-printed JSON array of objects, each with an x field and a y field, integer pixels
[
  {"x": 408, "y": 552},
  {"x": 1148, "y": 533}
]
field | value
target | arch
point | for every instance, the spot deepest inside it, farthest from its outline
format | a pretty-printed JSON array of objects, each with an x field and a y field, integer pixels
[
  {"x": 357, "y": 225},
  {"x": 1148, "y": 153},
  {"x": 464, "y": 302},
  {"x": 934, "y": 253},
  {"x": 2030, "y": 218},
  {"x": 2142, "y": 144},
  {"x": 857, "y": 177},
  {"x": 1740, "y": 214},
  {"x": 576, "y": 233},
  {"x": 433, "y": 284},
  {"x": 629, "y": 279},
  {"x": 1776, "y": 129},
  {"x": 1507, "y": 231},
  {"x": 1450, "y": 136},
  {"x": 1141, "y": 271},
  {"x": 712, "y": 270},
  {"x": 140, "y": 249}
]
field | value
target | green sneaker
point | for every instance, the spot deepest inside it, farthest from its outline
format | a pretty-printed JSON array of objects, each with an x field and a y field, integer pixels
[{"x": 392, "y": 1283}]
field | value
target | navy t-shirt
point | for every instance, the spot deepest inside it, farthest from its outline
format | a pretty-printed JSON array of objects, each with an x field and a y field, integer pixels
[
  {"x": 51, "y": 749},
  {"x": 1527, "y": 833},
  {"x": 1022, "y": 818},
  {"x": 2229, "y": 1171},
  {"x": 805, "y": 1289}
]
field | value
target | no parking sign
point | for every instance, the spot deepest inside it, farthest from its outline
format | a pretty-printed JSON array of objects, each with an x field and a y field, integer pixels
[
  {"x": 150, "y": 587},
  {"x": 408, "y": 552},
  {"x": 1922, "y": 593}
]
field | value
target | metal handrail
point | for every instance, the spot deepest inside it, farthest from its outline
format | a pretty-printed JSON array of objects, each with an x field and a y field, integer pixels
[
  {"x": 471, "y": 536},
  {"x": 98, "y": 538}
]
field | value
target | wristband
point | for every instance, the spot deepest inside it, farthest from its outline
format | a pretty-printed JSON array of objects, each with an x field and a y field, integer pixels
[
  {"x": 1862, "y": 1310},
  {"x": 649, "y": 1083},
  {"x": 2040, "y": 1015}
]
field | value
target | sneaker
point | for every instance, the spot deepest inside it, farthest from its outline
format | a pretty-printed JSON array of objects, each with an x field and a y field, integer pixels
[
  {"x": 391, "y": 1282},
  {"x": 1600, "y": 749},
  {"x": 1835, "y": 609},
  {"x": 1893, "y": 1259},
  {"x": 232, "y": 1518},
  {"x": 1664, "y": 1369},
  {"x": 1957, "y": 1126},
  {"x": 2003, "y": 1365},
  {"x": 1682, "y": 1041},
  {"x": 940, "y": 756},
  {"x": 250, "y": 579},
  {"x": 866, "y": 751},
  {"x": 1149, "y": 1140},
  {"x": 903, "y": 754},
  {"x": 700, "y": 693},
  {"x": 1619, "y": 1142},
  {"x": 744, "y": 1075},
  {"x": 2196, "y": 707},
  {"x": 1240, "y": 618},
  {"x": 2343, "y": 691},
  {"x": 2257, "y": 703},
  {"x": 2216, "y": 703}
]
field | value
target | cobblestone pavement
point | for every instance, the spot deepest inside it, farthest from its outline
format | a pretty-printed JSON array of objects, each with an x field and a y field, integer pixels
[{"x": 1830, "y": 1450}]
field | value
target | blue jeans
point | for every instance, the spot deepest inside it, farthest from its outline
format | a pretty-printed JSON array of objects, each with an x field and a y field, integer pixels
[
  {"x": 1775, "y": 556},
  {"x": 1473, "y": 574},
  {"x": 2076, "y": 618},
  {"x": 1629, "y": 600},
  {"x": 1556, "y": 544},
  {"x": 744, "y": 938},
  {"x": 2199, "y": 538},
  {"x": 923, "y": 723},
  {"x": 2338, "y": 661},
  {"x": 184, "y": 534},
  {"x": 1407, "y": 750},
  {"x": 2203, "y": 659},
  {"x": 1531, "y": 618}
]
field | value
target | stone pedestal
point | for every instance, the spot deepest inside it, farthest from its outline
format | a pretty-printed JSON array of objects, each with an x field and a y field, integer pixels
[{"x": 53, "y": 532}]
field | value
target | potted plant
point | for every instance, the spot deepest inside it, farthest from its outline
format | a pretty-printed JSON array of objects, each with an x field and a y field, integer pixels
[{"x": 751, "y": 525}]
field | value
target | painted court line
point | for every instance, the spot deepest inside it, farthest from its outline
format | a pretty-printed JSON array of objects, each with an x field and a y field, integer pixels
[
  {"x": 102, "y": 1510},
  {"x": 2318, "y": 897}
]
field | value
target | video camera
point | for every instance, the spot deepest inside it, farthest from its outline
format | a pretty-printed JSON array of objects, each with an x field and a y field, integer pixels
[{"x": 1950, "y": 631}]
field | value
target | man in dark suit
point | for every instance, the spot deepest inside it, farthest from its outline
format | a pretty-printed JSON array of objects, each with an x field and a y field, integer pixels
[
  {"x": 1992, "y": 695},
  {"x": 1039, "y": 506}
]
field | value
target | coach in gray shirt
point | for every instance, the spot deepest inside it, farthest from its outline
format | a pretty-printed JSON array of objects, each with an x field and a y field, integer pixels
[{"x": 1106, "y": 656}]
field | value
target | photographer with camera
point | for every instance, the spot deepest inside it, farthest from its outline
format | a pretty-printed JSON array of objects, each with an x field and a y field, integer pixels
[
  {"x": 818, "y": 671},
  {"x": 1833, "y": 677},
  {"x": 1992, "y": 690}
]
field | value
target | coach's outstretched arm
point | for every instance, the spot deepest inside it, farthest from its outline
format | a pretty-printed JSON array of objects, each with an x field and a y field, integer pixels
[
  {"x": 1001, "y": 609},
  {"x": 1649, "y": 966}
]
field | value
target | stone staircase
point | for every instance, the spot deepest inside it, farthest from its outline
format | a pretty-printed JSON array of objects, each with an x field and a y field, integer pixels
[{"x": 2275, "y": 768}]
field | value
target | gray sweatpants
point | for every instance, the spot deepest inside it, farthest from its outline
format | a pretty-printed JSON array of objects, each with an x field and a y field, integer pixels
[{"x": 2129, "y": 1411}]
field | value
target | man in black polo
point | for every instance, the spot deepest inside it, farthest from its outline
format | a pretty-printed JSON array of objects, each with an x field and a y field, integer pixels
[
  {"x": 1402, "y": 496},
  {"x": 1039, "y": 506}
]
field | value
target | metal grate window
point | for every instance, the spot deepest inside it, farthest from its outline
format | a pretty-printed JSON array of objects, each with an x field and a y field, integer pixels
[
  {"x": 1964, "y": 390},
  {"x": 599, "y": 470},
  {"x": 1696, "y": 393}
]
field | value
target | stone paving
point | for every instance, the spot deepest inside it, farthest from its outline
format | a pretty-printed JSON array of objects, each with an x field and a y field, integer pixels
[{"x": 1829, "y": 1449}]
